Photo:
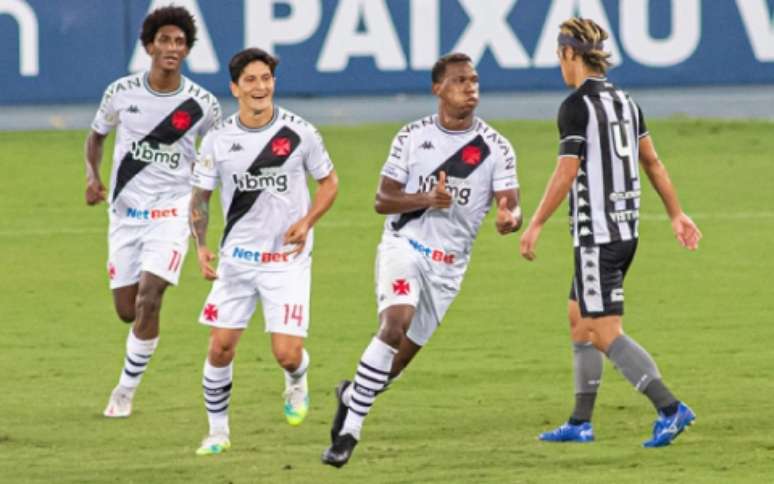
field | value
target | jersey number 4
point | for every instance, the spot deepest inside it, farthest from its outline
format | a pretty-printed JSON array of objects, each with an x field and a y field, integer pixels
[
  {"x": 624, "y": 148},
  {"x": 294, "y": 312}
]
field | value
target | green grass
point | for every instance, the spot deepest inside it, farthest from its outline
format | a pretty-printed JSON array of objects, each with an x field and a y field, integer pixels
[{"x": 468, "y": 410}]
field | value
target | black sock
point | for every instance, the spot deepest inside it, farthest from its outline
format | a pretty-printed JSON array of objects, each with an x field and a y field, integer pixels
[{"x": 670, "y": 409}]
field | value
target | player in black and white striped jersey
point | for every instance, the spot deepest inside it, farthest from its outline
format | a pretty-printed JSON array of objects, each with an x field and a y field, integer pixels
[{"x": 603, "y": 135}]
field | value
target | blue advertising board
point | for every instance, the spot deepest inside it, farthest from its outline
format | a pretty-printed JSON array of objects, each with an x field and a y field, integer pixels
[{"x": 69, "y": 50}]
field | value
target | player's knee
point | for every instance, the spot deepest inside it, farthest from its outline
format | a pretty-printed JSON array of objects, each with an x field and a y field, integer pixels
[
  {"x": 391, "y": 333},
  {"x": 148, "y": 302},
  {"x": 221, "y": 353}
]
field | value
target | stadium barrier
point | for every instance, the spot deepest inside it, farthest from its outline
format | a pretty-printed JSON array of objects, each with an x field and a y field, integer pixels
[{"x": 69, "y": 50}]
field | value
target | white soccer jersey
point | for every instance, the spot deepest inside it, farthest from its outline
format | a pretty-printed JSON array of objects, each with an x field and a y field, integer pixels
[
  {"x": 155, "y": 145},
  {"x": 477, "y": 162},
  {"x": 262, "y": 175}
]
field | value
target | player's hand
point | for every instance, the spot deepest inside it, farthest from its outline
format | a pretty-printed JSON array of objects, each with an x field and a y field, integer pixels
[
  {"x": 296, "y": 235},
  {"x": 686, "y": 231},
  {"x": 507, "y": 221},
  {"x": 95, "y": 192},
  {"x": 529, "y": 240},
  {"x": 439, "y": 197},
  {"x": 205, "y": 257}
]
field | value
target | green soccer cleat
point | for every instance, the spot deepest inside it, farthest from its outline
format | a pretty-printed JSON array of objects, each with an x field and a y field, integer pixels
[
  {"x": 214, "y": 444},
  {"x": 296, "y": 403}
]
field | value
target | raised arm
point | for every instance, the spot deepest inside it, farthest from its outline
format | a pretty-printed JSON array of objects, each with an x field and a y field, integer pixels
[
  {"x": 95, "y": 190},
  {"x": 199, "y": 218},
  {"x": 392, "y": 198},
  {"x": 685, "y": 230},
  {"x": 327, "y": 189}
]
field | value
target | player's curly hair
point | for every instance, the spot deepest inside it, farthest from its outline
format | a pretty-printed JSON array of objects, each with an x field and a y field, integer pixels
[
  {"x": 172, "y": 15},
  {"x": 242, "y": 58},
  {"x": 439, "y": 69},
  {"x": 585, "y": 38}
]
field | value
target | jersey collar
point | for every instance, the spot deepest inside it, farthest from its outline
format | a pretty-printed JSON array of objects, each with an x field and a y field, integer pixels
[
  {"x": 448, "y": 131},
  {"x": 162, "y": 94},
  {"x": 266, "y": 126}
]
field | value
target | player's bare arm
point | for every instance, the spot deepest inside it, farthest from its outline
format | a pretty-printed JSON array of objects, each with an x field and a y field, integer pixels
[
  {"x": 509, "y": 215},
  {"x": 686, "y": 231},
  {"x": 558, "y": 186},
  {"x": 392, "y": 198},
  {"x": 327, "y": 189},
  {"x": 199, "y": 217},
  {"x": 95, "y": 189}
]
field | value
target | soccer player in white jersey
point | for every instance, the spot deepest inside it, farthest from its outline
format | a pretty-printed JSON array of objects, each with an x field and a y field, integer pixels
[
  {"x": 260, "y": 158},
  {"x": 157, "y": 115},
  {"x": 438, "y": 182},
  {"x": 603, "y": 134}
]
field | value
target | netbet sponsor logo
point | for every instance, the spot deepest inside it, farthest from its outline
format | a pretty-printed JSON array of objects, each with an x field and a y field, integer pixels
[
  {"x": 162, "y": 154},
  {"x": 455, "y": 187},
  {"x": 436, "y": 255},
  {"x": 259, "y": 257},
  {"x": 269, "y": 179},
  {"x": 151, "y": 214}
]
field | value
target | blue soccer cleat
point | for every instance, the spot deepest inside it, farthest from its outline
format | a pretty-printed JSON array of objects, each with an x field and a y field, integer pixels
[
  {"x": 569, "y": 433},
  {"x": 666, "y": 429}
]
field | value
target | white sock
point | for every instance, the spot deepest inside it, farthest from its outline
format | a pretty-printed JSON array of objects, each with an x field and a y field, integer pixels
[
  {"x": 371, "y": 377},
  {"x": 217, "y": 395},
  {"x": 299, "y": 375},
  {"x": 138, "y": 355}
]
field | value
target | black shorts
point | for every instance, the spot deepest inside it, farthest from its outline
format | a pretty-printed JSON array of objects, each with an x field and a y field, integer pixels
[{"x": 597, "y": 284}]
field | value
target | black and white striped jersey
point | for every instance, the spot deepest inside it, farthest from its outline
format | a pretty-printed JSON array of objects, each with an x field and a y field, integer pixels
[{"x": 602, "y": 126}]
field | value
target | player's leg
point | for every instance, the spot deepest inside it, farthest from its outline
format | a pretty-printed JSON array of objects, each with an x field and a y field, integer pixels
[
  {"x": 398, "y": 290},
  {"x": 124, "y": 269},
  {"x": 125, "y": 300},
  {"x": 587, "y": 372},
  {"x": 291, "y": 355},
  {"x": 629, "y": 358},
  {"x": 217, "y": 382},
  {"x": 228, "y": 309},
  {"x": 285, "y": 297}
]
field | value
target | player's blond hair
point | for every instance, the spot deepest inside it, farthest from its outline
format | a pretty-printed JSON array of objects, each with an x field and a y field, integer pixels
[{"x": 588, "y": 37}]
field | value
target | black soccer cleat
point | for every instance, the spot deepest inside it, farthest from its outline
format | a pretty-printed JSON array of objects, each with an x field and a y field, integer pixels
[
  {"x": 341, "y": 410},
  {"x": 339, "y": 453}
]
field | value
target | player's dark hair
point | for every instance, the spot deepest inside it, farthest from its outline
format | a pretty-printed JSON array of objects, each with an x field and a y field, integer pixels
[
  {"x": 241, "y": 60},
  {"x": 177, "y": 16},
  {"x": 585, "y": 38},
  {"x": 439, "y": 69}
]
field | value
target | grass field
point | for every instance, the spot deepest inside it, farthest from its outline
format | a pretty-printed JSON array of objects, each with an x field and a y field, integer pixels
[{"x": 468, "y": 410}]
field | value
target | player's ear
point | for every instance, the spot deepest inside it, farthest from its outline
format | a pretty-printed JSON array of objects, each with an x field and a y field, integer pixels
[
  {"x": 436, "y": 88},
  {"x": 234, "y": 89}
]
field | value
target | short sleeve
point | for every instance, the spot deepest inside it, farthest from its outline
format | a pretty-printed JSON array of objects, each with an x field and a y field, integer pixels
[
  {"x": 504, "y": 176},
  {"x": 642, "y": 128},
  {"x": 212, "y": 118},
  {"x": 205, "y": 173},
  {"x": 396, "y": 166},
  {"x": 107, "y": 115},
  {"x": 317, "y": 160},
  {"x": 572, "y": 121}
]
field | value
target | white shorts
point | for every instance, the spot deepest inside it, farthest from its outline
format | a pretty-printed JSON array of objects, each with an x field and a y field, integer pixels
[
  {"x": 284, "y": 296},
  {"x": 404, "y": 276},
  {"x": 158, "y": 247}
]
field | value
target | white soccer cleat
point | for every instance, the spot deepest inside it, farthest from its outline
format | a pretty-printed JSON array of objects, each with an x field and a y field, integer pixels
[
  {"x": 214, "y": 444},
  {"x": 296, "y": 402},
  {"x": 120, "y": 403}
]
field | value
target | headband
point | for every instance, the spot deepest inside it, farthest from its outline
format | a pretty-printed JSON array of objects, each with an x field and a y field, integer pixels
[{"x": 580, "y": 46}]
